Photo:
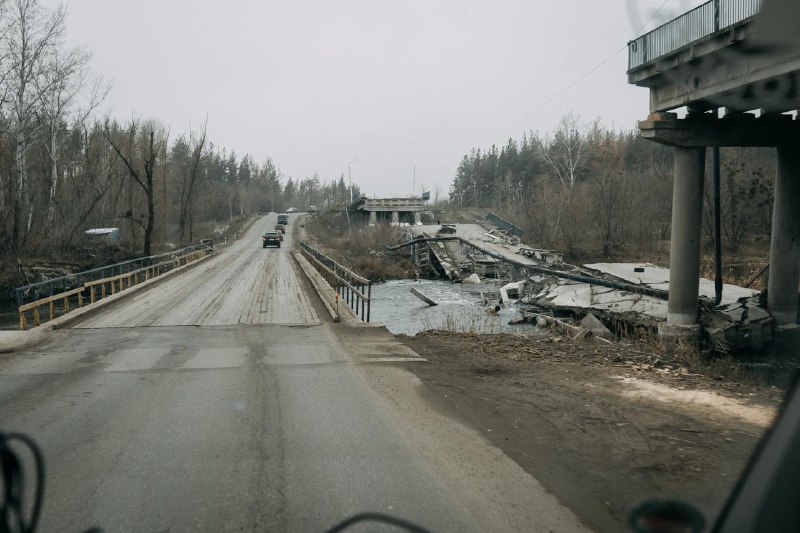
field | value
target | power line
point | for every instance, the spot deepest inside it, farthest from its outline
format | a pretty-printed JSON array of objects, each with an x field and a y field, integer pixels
[
  {"x": 587, "y": 73},
  {"x": 646, "y": 22}
]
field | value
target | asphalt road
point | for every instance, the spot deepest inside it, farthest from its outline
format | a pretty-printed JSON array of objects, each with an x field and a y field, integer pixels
[{"x": 221, "y": 400}]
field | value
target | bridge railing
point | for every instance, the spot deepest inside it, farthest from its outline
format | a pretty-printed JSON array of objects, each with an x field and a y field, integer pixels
[
  {"x": 61, "y": 295},
  {"x": 504, "y": 224},
  {"x": 355, "y": 290},
  {"x": 693, "y": 25}
]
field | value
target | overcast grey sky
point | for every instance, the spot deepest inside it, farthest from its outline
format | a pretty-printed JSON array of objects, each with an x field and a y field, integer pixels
[{"x": 315, "y": 84}]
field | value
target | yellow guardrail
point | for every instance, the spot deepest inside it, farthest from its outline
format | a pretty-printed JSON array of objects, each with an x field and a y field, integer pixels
[
  {"x": 108, "y": 286},
  {"x": 50, "y": 300}
]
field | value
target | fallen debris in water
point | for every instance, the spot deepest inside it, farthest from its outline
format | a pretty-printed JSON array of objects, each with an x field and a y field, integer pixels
[
  {"x": 510, "y": 290},
  {"x": 621, "y": 297},
  {"x": 422, "y": 297},
  {"x": 472, "y": 278}
]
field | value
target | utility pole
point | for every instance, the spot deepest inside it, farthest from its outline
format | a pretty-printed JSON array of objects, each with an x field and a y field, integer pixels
[
  {"x": 350, "y": 179},
  {"x": 414, "y": 179}
]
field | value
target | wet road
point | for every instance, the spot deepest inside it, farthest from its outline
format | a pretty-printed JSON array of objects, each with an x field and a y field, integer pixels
[
  {"x": 219, "y": 400},
  {"x": 243, "y": 284}
]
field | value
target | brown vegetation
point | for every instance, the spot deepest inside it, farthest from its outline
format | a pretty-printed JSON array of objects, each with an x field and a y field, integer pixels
[
  {"x": 63, "y": 170},
  {"x": 360, "y": 247},
  {"x": 595, "y": 192}
]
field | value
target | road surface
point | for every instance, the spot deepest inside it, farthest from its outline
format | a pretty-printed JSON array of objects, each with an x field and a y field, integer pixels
[{"x": 221, "y": 400}]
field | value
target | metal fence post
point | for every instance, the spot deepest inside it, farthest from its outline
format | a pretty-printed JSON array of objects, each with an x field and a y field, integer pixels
[{"x": 369, "y": 298}]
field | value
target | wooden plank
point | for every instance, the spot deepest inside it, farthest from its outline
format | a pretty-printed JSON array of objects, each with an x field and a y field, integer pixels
[{"x": 49, "y": 299}]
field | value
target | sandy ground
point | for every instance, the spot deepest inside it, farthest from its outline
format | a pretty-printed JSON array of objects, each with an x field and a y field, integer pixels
[{"x": 599, "y": 435}]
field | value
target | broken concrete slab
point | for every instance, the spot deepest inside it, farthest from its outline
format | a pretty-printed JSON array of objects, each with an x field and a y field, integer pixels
[
  {"x": 511, "y": 289},
  {"x": 472, "y": 278},
  {"x": 657, "y": 277},
  {"x": 592, "y": 324},
  {"x": 755, "y": 313}
]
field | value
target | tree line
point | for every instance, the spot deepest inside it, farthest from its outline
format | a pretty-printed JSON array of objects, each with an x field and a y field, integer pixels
[
  {"x": 589, "y": 187},
  {"x": 64, "y": 170}
]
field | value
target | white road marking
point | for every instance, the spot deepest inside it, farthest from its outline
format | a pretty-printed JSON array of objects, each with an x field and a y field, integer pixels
[
  {"x": 136, "y": 359},
  {"x": 208, "y": 358},
  {"x": 298, "y": 354},
  {"x": 393, "y": 360}
]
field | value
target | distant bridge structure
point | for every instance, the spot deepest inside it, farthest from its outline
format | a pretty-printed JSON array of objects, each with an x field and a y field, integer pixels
[
  {"x": 737, "y": 79},
  {"x": 392, "y": 207}
]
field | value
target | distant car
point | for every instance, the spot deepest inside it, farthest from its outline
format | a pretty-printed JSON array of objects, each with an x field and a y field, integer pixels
[
  {"x": 313, "y": 209},
  {"x": 271, "y": 238},
  {"x": 283, "y": 218},
  {"x": 280, "y": 228},
  {"x": 292, "y": 210}
]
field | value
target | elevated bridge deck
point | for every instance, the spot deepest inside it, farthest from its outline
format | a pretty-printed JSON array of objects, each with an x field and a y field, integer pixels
[{"x": 723, "y": 60}]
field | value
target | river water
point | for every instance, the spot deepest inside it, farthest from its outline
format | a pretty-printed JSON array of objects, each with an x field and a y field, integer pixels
[{"x": 461, "y": 308}]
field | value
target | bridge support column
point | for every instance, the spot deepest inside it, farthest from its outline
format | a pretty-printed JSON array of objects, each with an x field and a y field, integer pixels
[
  {"x": 373, "y": 218},
  {"x": 784, "y": 255},
  {"x": 395, "y": 217},
  {"x": 684, "y": 254},
  {"x": 417, "y": 217}
]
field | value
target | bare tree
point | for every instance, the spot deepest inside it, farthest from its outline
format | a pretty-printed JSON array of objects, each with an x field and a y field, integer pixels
[
  {"x": 190, "y": 180},
  {"x": 98, "y": 174},
  {"x": 31, "y": 32},
  {"x": 609, "y": 189},
  {"x": 137, "y": 148},
  {"x": 567, "y": 152},
  {"x": 59, "y": 87}
]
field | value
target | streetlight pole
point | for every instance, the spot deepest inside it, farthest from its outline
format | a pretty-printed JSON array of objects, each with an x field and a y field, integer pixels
[
  {"x": 350, "y": 179},
  {"x": 414, "y": 182}
]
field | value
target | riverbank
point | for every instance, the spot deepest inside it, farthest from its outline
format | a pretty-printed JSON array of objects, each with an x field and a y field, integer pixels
[
  {"x": 601, "y": 426},
  {"x": 359, "y": 247}
]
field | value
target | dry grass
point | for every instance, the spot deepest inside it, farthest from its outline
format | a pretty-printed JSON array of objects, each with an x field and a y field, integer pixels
[
  {"x": 472, "y": 321},
  {"x": 696, "y": 360},
  {"x": 359, "y": 247},
  {"x": 741, "y": 274}
]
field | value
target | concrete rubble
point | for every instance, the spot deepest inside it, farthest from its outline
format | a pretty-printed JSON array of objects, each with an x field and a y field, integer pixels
[
  {"x": 739, "y": 322},
  {"x": 611, "y": 294},
  {"x": 741, "y": 325}
]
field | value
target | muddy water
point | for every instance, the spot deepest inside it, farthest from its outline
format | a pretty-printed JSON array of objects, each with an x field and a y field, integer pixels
[
  {"x": 461, "y": 308},
  {"x": 9, "y": 318}
]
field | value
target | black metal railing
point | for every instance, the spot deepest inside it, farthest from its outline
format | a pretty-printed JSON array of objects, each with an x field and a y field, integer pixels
[
  {"x": 693, "y": 25},
  {"x": 353, "y": 289},
  {"x": 35, "y": 291}
]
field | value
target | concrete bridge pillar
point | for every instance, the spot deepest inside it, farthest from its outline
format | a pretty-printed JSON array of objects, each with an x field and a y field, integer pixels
[
  {"x": 684, "y": 254},
  {"x": 784, "y": 256},
  {"x": 373, "y": 218},
  {"x": 417, "y": 217},
  {"x": 395, "y": 217}
]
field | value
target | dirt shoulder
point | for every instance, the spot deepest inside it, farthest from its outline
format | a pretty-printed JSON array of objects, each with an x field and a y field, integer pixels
[{"x": 598, "y": 429}]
